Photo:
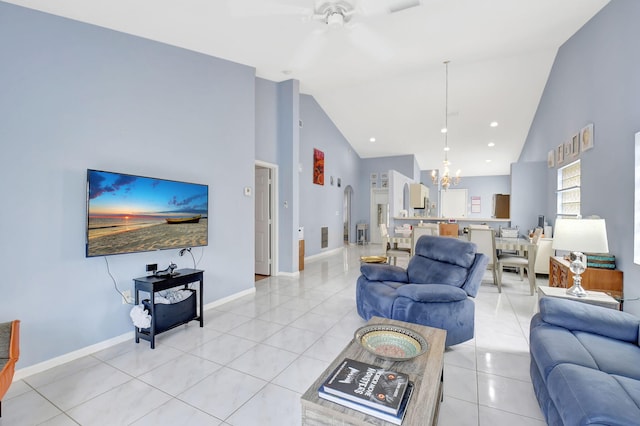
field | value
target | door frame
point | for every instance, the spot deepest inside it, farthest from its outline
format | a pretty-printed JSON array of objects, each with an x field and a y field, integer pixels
[
  {"x": 374, "y": 230},
  {"x": 347, "y": 208},
  {"x": 273, "y": 203}
]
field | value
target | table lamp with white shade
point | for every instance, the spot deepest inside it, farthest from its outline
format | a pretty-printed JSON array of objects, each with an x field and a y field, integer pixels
[{"x": 578, "y": 236}]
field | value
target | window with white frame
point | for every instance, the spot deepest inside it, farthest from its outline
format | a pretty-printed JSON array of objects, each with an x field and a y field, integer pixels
[{"x": 569, "y": 190}]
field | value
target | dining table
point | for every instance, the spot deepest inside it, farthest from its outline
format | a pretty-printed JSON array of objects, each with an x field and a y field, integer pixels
[{"x": 524, "y": 246}]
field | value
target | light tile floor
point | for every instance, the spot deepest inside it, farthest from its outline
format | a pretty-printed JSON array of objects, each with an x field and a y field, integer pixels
[{"x": 256, "y": 355}]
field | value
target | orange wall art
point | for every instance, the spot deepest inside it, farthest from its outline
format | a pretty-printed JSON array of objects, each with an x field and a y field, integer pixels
[{"x": 318, "y": 167}]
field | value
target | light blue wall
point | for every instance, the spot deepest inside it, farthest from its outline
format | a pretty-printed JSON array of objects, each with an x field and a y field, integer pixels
[
  {"x": 76, "y": 96},
  {"x": 288, "y": 150},
  {"x": 484, "y": 187},
  {"x": 291, "y": 147},
  {"x": 477, "y": 186},
  {"x": 266, "y": 121},
  {"x": 416, "y": 170},
  {"x": 531, "y": 180},
  {"x": 594, "y": 79},
  {"x": 322, "y": 205},
  {"x": 404, "y": 164}
]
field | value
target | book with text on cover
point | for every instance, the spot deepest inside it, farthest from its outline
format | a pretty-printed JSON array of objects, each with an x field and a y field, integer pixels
[
  {"x": 368, "y": 385},
  {"x": 391, "y": 418}
]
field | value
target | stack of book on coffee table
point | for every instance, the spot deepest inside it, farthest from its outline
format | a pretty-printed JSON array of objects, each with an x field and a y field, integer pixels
[{"x": 369, "y": 389}]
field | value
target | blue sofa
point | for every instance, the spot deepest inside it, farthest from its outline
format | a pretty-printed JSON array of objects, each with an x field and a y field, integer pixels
[
  {"x": 585, "y": 364},
  {"x": 435, "y": 289}
]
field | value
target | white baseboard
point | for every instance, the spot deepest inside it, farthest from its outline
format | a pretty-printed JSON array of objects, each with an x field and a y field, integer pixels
[
  {"x": 234, "y": 296},
  {"x": 70, "y": 356},
  {"x": 324, "y": 254},
  {"x": 88, "y": 350}
]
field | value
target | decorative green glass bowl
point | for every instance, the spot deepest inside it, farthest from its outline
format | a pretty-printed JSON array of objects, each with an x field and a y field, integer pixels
[{"x": 391, "y": 342}]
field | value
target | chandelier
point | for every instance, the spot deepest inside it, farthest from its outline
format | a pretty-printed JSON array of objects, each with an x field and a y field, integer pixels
[{"x": 446, "y": 180}]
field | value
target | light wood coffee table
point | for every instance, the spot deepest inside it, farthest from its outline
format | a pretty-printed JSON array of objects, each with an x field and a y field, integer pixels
[{"x": 425, "y": 371}]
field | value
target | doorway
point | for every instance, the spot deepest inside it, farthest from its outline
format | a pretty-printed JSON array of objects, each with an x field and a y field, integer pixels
[
  {"x": 265, "y": 220},
  {"x": 346, "y": 214},
  {"x": 379, "y": 213}
]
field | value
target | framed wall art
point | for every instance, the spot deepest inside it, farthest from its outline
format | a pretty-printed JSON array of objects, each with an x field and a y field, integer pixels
[
  {"x": 560, "y": 154},
  {"x": 575, "y": 145},
  {"x": 586, "y": 138},
  {"x": 318, "y": 167},
  {"x": 551, "y": 159}
]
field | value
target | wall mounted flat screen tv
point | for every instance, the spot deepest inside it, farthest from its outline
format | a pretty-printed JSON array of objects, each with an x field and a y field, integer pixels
[{"x": 129, "y": 214}]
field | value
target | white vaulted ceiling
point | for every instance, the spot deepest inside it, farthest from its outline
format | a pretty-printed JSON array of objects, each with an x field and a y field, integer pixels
[{"x": 382, "y": 74}]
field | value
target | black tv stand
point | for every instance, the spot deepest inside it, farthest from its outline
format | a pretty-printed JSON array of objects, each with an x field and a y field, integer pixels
[{"x": 152, "y": 284}]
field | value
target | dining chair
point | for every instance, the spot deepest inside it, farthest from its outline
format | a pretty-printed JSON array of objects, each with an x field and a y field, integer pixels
[
  {"x": 520, "y": 261},
  {"x": 420, "y": 230},
  {"x": 448, "y": 230},
  {"x": 478, "y": 226},
  {"x": 485, "y": 240},
  {"x": 392, "y": 249}
]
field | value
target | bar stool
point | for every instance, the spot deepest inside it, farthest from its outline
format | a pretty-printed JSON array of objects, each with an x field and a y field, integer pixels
[{"x": 361, "y": 233}]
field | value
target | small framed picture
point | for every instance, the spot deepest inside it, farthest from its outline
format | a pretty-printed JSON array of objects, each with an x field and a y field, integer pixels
[
  {"x": 586, "y": 138},
  {"x": 575, "y": 145},
  {"x": 339, "y": 182},
  {"x": 551, "y": 159},
  {"x": 560, "y": 154},
  {"x": 331, "y": 180},
  {"x": 567, "y": 150}
]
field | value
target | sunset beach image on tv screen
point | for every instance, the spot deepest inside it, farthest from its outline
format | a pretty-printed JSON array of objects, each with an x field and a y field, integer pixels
[{"x": 128, "y": 213}]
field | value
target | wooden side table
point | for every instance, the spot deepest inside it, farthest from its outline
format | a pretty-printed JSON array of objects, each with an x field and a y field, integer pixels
[
  {"x": 592, "y": 279},
  {"x": 593, "y": 297}
]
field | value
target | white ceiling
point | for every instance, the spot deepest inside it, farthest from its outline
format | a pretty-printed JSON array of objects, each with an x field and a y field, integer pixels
[{"x": 382, "y": 75}]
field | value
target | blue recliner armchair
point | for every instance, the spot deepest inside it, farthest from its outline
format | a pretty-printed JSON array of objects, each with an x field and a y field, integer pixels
[{"x": 435, "y": 290}]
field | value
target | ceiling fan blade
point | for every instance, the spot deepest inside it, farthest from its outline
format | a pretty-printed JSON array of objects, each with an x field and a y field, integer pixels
[
  {"x": 370, "y": 42},
  {"x": 371, "y": 7},
  {"x": 309, "y": 50},
  {"x": 384, "y": 7},
  {"x": 255, "y": 8}
]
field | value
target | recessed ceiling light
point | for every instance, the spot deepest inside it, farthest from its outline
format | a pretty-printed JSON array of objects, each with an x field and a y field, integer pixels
[
  {"x": 446, "y": 148},
  {"x": 494, "y": 124},
  {"x": 286, "y": 72},
  {"x": 443, "y": 130},
  {"x": 491, "y": 144},
  {"x": 372, "y": 139},
  {"x": 487, "y": 161}
]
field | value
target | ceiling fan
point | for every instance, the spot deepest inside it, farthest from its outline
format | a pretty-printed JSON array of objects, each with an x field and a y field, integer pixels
[
  {"x": 346, "y": 16},
  {"x": 338, "y": 13},
  {"x": 331, "y": 12},
  {"x": 342, "y": 17},
  {"x": 334, "y": 14}
]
